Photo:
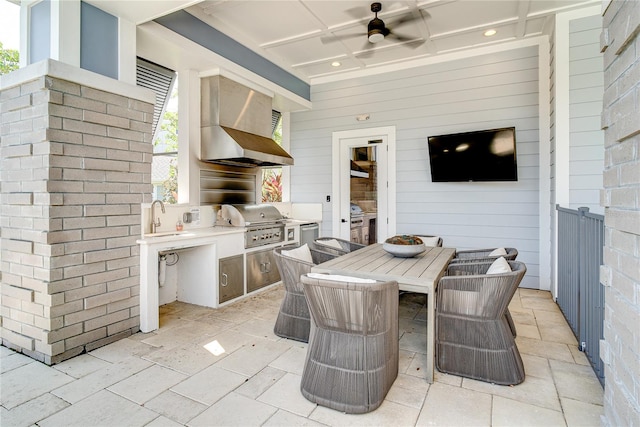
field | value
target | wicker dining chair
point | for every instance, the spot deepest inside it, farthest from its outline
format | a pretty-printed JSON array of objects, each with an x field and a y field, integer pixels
[
  {"x": 353, "y": 352},
  {"x": 482, "y": 255},
  {"x": 473, "y": 337},
  {"x": 337, "y": 246},
  {"x": 293, "y": 319}
]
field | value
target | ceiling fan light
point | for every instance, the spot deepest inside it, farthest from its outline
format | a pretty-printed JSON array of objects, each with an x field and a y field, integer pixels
[{"x": 375, "y": 36}]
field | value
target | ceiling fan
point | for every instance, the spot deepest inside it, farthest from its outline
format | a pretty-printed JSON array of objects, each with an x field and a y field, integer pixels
[{"x": 377, "y": 30}]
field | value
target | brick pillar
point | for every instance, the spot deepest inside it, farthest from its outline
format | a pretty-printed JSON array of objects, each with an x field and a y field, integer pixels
[
  {"x": 620, "y": 349},
  {"x": 76, "y": 165}
]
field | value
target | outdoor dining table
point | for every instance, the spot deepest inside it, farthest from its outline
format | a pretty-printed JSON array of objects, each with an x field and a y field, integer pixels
[{"x": 419, "y": 274}]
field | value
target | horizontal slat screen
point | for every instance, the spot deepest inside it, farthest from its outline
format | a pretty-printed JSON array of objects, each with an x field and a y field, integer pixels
[{"x": 158, "y": 79}]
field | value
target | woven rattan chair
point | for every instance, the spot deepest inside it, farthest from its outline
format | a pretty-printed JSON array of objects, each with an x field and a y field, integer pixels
[
  {"x": 337, "y": 246},
  {"x": 293, "y": 320},
  {"x": 473, "y": 337},
  {"x": 482, "y": 255},
  {"x": 352, "y": 358}
]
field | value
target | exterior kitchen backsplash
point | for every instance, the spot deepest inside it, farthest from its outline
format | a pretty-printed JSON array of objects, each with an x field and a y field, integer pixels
[
  {"x": 226, "y": 185},
  {"x": 201, "y": 217}
]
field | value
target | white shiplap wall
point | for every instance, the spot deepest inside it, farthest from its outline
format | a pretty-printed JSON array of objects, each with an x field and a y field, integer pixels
[
  {"x": 494, "y": 90},
  {"x": 586, "y": 88}
]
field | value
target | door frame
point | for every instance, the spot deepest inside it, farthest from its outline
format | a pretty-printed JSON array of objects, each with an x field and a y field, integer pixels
[{"x": 386, "y": 154}]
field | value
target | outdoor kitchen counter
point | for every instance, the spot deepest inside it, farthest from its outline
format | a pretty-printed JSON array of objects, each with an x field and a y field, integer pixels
[
  {"x": 186, "y": 236},
  {"x": 201, "y": 248}
]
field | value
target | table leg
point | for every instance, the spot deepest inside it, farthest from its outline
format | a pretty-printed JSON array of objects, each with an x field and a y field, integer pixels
[{"x": 431, "y": 335}]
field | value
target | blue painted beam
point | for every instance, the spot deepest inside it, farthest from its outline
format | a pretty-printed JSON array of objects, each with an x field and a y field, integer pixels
[{"x": 208, "y": 37}]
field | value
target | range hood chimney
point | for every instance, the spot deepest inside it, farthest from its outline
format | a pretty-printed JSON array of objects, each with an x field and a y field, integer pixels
[{"x": 236, "y": 126}]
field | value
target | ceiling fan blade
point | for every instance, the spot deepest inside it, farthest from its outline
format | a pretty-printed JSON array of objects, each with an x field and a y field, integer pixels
[
  {"x": 409, "y": 17},
  {"x": 367, "y": 50},
  {"x": 336, "y": 38},
  {"x": 356, "y": 13},
  {"x": 400, "y": 37},
  {"x": 414, "y": 44}
]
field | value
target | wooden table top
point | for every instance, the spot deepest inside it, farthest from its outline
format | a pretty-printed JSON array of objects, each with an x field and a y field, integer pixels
[{"x": 417, "y": 274}]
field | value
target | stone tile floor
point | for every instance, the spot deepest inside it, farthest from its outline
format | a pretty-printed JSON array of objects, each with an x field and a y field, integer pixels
[{"x": 225, "y": 367}]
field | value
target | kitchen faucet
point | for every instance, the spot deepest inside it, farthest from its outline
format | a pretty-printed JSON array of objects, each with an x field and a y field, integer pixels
[{"x": 155, "y": 224}]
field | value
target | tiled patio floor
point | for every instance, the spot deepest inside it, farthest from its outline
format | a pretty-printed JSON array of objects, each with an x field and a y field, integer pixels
[{"x": 207, "y": 367}]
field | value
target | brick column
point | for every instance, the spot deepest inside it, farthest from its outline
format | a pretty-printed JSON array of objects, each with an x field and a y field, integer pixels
[
  {"x": 620, "y": 349},
  {"x": 76, "y": 165}
]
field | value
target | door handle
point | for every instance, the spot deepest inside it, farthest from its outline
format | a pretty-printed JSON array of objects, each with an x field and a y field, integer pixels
[
  {"x": 344, "y": 220},
  {"x": 225, "y": 279},
  {"x": 265, "y": 267}
]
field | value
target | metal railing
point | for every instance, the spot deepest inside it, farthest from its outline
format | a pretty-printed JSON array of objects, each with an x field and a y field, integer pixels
[{"x": 580, "y": 294}]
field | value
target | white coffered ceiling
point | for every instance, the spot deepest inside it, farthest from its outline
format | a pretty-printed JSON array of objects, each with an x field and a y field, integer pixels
[{"x": 305, "y": 37}]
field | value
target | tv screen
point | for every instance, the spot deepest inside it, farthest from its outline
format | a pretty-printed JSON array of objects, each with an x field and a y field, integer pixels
[{"x": 486, "y": 155}]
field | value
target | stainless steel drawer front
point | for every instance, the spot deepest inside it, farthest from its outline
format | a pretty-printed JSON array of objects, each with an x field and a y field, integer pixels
[
  {"x": 230, "y": 278},
  {"x": 261, "y": 269}
]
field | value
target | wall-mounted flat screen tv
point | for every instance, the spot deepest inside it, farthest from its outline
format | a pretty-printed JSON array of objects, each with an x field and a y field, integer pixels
[{"x": 486, "y": 155}]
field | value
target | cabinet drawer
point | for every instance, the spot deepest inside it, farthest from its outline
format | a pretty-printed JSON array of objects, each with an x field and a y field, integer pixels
[{"x": 230, "y": 278}]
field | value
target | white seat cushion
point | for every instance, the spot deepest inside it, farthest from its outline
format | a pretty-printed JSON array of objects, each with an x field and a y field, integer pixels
[
  {"x": 339, "y": 278},
  {"x": 302, "y": 253},
  {"x": 499, "y": 266},
  {"x": 430, "y": 241},
  {"x": 330, "y": 242},
  {"x": 498, "y": 252}
]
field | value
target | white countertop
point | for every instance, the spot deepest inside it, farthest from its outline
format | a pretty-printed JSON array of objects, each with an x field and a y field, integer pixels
[
  {"x": 187, "y": 235},
  {"x": 301, "y": 221}
]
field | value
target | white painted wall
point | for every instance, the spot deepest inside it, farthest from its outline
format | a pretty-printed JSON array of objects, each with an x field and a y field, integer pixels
[
  {"x": 586, "y": 90},
  {"x": 498, "y": 89},
  {"x": 575, "y": 87}
]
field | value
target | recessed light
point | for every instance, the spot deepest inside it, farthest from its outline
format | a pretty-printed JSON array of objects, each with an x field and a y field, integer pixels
[
  {"x": 336, "y": 64},
  {"x": 490, "y": 33}
]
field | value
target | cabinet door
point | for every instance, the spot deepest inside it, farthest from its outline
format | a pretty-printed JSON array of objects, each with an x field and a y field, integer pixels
[
  {"x": 365, "y": 235},
  {"x": 355, "y": 235},
  {"x": 261, "y": 269},
  {"x": 372, "y": 231},
  {"x": 230, "y": 278}
]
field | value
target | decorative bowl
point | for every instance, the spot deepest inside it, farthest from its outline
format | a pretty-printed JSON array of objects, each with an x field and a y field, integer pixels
[{"x": 404, "y": 246}]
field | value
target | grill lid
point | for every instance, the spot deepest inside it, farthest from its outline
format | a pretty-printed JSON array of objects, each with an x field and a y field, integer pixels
[
  {"x": 356, "y": 210},
  {"x": 249, "y": 215}
]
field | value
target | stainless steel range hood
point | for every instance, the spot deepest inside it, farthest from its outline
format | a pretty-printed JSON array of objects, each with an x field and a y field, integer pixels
[{"x": 236, "y": 126}]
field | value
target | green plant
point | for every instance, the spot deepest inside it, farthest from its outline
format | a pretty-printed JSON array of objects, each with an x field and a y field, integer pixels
[
  {"x": 272, "y": 185},
  {"x": 9, "y": 60},
  {"x": 170, "y": 185},
  {"x": 167, "y": 141}
]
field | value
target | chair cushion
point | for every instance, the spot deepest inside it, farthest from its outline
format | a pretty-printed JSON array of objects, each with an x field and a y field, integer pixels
[
  {"x": 301, "y": 253},
  {"x": 330, "y": 242},
  {"x": 430, "y": 241},
  {"x": 498, "y": 252},
  {"x": 339, "y": 278},
  {"x": 499, "y": 266}
]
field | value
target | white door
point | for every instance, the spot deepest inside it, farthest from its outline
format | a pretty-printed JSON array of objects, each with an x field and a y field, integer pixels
[{"x": 383, "y": 139}]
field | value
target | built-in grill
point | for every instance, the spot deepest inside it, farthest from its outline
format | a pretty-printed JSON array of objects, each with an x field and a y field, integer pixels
[
  {"x": 357, "y": 216},
  {"x": 357, "y": 224},
  {"x": 264, "y": 223}
]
